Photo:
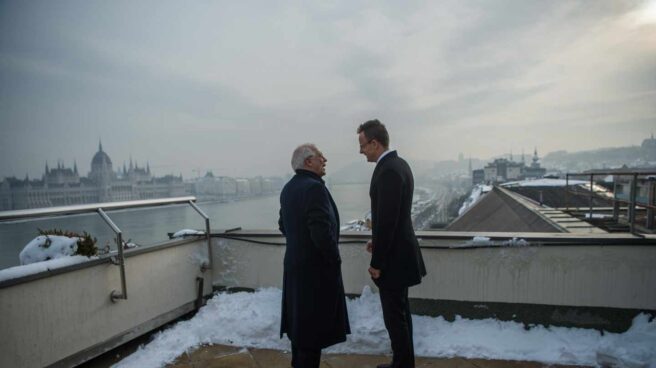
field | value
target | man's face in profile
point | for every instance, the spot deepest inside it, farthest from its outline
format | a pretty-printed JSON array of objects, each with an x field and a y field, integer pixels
[
  {"x": 317, "y": 163},
  {"x": 367, "y": 147}
]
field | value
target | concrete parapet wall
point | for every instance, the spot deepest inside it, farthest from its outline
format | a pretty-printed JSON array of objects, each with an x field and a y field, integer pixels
[
  {"x": 586, "y": 275},
  {"x": 590, "y": 276},
  {"x": 66, "y": 318}
]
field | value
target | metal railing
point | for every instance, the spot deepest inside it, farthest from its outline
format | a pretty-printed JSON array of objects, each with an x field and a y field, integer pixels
[
  {"x": 633, "y": 203},
  {"x": 100, "y": 208}
]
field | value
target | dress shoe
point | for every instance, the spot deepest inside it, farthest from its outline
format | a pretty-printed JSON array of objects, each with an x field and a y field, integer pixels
[{"x": 386, "y": 365}]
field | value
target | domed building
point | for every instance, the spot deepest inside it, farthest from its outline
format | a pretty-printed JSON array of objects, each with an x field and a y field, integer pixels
[
  {"x": 63, "y": 186},
  {"x": 649, "y": 148},
  {"x": 101, "y": 167}
]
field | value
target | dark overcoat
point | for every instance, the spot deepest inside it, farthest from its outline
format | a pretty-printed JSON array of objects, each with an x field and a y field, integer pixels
[
  {"x": 314, "y": 312},
  {"x": 396, "y": 250}
]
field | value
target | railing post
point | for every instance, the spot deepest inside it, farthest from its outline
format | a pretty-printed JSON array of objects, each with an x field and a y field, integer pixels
[
  {"x": 207, "y": 232},
  {"x": 567, "y": 192},
  {"x": 114, "y": 296},
  {"x": 100, "y": 208},
  {"x": 651, "y": 202},
  {"x": 632, "y": 203},
  {"x": 616, "y": 201},
  {"x": 591, "y": 194}
]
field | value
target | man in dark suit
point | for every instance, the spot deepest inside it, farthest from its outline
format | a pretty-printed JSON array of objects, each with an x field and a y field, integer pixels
[
  {"x": 314, "y": 312},
  {"x": 396, "y": 261}
]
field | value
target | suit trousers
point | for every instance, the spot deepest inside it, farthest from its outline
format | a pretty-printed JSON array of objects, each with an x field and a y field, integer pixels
[
  {"x": 305, "y": 358},
  {"x": 398, "y": 321}
]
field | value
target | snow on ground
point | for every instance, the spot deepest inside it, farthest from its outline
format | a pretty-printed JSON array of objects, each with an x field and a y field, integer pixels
[
  {"x": 481, "y": 241},
  {"x": 20, "y": 271},
  {"x": 598, "y": 189},
  {"x": 355, "y": 225},
  {"x": 45, "y": 247},
  {"x": 358, "y": 224},
  {"x": 253, "y": 320},
  {"x": 543, "y": 183},
  {"x": 476, "y": 193},
  {"x": 187, "y": 232}
]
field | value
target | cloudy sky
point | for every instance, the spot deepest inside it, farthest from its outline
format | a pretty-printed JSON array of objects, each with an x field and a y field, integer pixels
[{"x": 234, "y": 86}]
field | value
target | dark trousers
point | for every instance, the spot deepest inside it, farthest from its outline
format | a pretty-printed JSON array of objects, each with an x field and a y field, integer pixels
[
  {"x": 398, "y": 321},
  {"x": 305, "y": 358}
]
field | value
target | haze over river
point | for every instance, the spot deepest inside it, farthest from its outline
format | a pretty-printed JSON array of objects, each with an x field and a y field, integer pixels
[{"x": 150, "y": 226}]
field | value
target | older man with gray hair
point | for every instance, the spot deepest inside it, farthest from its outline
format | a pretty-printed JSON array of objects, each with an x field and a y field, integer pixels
[{"x": 314, "y": 312}]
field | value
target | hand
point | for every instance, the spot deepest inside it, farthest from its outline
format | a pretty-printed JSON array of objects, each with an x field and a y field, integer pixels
[
  {"x": 375, "y": 273},
  {"x": 369, "y": 247}
]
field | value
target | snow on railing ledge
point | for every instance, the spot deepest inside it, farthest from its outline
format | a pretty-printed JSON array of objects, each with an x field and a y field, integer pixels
[{"x": 38, "y": 267}]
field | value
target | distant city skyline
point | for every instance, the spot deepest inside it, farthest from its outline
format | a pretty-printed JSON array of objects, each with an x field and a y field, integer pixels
[
  {"x": 84, "y": 168},
  {"x": 199, "y": 173},
  {"x": 106, "y": 182},
  {"x": 235, "y": 87},
  {"x": 117, "y": 167}
]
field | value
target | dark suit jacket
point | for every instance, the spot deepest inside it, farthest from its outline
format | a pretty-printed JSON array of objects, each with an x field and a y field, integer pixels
[
  {"x": 314, "y": 312},
  {"x": 396, "y": 251}
]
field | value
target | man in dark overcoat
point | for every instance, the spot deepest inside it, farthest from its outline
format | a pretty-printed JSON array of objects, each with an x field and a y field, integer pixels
[
  {"x": 314, "y": 312},
  {"x": 396, "y": 260}
]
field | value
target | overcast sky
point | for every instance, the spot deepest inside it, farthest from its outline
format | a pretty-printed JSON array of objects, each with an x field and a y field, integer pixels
[{"x": 234, "y": 86}]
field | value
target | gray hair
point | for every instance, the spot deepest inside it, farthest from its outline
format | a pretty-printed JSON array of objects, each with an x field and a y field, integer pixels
[{"x": 301, "y": 153}]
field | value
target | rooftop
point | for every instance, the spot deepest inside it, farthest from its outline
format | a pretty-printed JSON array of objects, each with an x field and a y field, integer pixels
[
  {"x": 228, "y": 356},
  {"x": 219, "y": 356}
]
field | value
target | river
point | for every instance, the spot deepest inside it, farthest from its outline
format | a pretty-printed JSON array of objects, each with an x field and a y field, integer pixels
[{"x": 150, "y": 225}]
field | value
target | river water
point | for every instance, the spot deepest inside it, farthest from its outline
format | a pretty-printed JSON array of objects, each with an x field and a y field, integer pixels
[{"x": 150, "y": 225}]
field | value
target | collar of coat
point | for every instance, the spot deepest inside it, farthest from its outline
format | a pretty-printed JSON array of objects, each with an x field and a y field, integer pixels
[
  {"x": 387, "y": 155},
  {"x": 310, "y": 174}
]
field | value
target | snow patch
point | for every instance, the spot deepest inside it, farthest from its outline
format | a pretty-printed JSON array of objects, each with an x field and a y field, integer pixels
[
  {"x": 46, "y": 247},
  {"x": 480, "y": 241},
  {"x": 476, "y": 194},
  {"x": 187, "y": 232},
  {"x": 634, "y": 348},
  {"x": 544, "y": 183},
  {"x": 253, "y": 320},
  {"x": 30, "y": 269}
]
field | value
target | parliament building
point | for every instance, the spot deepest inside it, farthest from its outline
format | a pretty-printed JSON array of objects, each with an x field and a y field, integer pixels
[{"x": 62, "y": 186}]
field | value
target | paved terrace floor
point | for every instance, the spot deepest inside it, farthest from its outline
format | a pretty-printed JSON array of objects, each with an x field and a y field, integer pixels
[{"x": 221, "y": 356}]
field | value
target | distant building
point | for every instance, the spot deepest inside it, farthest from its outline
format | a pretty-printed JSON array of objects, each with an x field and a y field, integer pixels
[
  {"x": 223, "y": 188},
  {"x": 478, "y": 176},
  {"x": 501, "y": 170},
  {"x": 63, "y": 186},
  {"x": 61, "y": 175},
  {"x": 215, "y": 188},
  {"x": 255, "y": 185},
  {"x": 534, "y": 171},
  {"x": 648, "y": 147}
]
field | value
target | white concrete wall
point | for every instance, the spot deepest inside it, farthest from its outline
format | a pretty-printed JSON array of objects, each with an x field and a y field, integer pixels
[
  {"x": 592, "y": 276},
  {"x": 490, "y": 174},
  {"x": 514, "y": 172},
  {"x": 49, "y": 319}
]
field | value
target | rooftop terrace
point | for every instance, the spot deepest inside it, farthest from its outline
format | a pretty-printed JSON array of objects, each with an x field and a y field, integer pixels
[{"x": 220, "y": 356}]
